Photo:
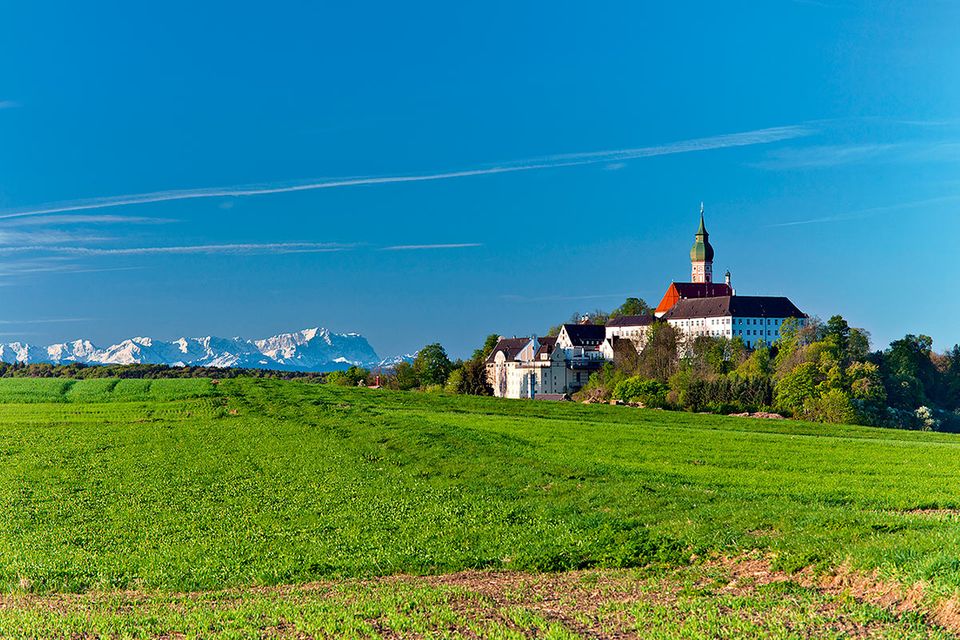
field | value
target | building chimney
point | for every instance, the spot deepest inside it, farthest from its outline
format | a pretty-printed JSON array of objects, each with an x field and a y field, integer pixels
[{"x": 726, "y": 278}]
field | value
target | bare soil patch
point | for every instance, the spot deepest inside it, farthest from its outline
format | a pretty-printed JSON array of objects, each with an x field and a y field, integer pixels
[{"x": 588, "y": 604}]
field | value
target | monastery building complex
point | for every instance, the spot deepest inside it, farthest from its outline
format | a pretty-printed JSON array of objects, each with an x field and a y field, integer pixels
[{"x": 554, "y": 367}]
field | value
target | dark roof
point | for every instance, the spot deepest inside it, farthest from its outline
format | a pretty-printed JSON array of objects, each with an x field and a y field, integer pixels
[
  {"x": 585, "y": 335},
  {"x": 631, "y": 321},
  {"x": 547, "y": 345},
  {"x": 703, "y": 289},
  {"x": 737, "y": 306},
  {"x": 510, "y": 347}
]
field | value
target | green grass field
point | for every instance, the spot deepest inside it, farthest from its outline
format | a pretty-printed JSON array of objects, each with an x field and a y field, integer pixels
[{"x": 147, "y": 499}]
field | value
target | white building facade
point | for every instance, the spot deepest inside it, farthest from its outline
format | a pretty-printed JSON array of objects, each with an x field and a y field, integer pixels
[
  {"x": 548, "y": 368},
  {"x": 754, "y": 319}
]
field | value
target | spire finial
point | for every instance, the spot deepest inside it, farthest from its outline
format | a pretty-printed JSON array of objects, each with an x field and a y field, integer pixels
[{"x": 701, "y": 207}]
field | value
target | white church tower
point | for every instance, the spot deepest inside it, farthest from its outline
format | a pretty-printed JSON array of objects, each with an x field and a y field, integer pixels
[{"x": 701, "y": 255}]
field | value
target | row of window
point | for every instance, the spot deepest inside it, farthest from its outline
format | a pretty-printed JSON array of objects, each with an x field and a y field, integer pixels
[{"x": 701, "y": 322}]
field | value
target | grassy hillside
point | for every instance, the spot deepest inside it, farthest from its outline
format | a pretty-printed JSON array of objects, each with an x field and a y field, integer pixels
[{"x": 183, "y": 485}]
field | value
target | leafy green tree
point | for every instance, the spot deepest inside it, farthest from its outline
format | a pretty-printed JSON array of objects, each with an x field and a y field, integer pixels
[
  {"x": 432, "y": 366},
  {"x": 489, "y": 344},
  {"x": 833, "y": 406},
  {"x": 632, "y": 307},
  {"x": 838, "y": 336},
  {"x": 858, "y": 346},
  {"x": 658, "y": 359},
  {"x": 601, "y": 383},
  {"x": 951, "y": 382},
  {"x": 650, "y": 393},
  {"x": 909, "y": 373},
  {"x": 759, "y": 364},
  {"x": 454, "y": 380},
  {"x": 866, "y": 383},
  {"x": 404, "y": 376},
  {"x": 351, "y": 377},
  {"x": 796, "y": 387},
  {"x": 470, "y": 379},
  {"x": 868, "y": 392}
]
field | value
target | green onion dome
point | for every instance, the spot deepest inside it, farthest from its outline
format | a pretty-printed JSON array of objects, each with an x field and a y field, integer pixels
[{"x": 702, "y": 251}]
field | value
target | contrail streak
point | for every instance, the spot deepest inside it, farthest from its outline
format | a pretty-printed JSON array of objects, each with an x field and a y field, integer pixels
[
  {"x": 273, "y": 247},
  {"x": 746, "y": 138},
  {"x": 415, "y": 247}
]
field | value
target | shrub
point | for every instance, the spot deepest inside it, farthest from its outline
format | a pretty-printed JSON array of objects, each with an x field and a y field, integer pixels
[
  {"x": 650, "y": 393},
  {"x": 833, "y": 406}
]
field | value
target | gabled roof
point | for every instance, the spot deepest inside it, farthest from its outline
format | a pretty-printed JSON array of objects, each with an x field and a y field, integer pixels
[
  {"x": 585, "y": 335},
  {"x": 547, "y": 345},
  {"x": 682, "y": 290},
  {"x": 510, "y": 347},
  {"x": 736, "y": 306},
  {"x": 631, "y": 321}
]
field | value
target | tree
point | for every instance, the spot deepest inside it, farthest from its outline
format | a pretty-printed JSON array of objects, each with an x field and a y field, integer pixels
[
  {"x": 833, "y": 406},
  {"x": 909, "y": 374},
  {"x": 470, "y": 379},
  {"x": 352, "y": 377},
  {"x": 658, "y": 360},
  {"x": 797, "y": 387},
  {"x": 632, "y": 307},
  {"x": 405, "y": 377},
  {"x": 838, "y": 336},
  {"x": 951, "y": 379},
  {"x": 757, "y": 365},
  {"x": 650, "y": 393},
  {"x": 432, "y": 366},
  {"x": 488, "y": 345}
]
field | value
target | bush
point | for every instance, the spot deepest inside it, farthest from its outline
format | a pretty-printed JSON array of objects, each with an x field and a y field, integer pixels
[
  {"x": 649, "y": 393},
  {"x": 833, "y": 406},
  {"x": 352, "y": 377}
]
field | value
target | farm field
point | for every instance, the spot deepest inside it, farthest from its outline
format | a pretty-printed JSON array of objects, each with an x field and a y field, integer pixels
[{"x": 257, "y": 507}]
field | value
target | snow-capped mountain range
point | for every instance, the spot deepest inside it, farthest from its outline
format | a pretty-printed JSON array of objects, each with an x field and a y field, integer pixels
[{"x": 314, "y": 349}]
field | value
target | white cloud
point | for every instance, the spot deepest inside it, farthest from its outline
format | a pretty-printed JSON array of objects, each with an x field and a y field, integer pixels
[{"x": 746, "y": 138}]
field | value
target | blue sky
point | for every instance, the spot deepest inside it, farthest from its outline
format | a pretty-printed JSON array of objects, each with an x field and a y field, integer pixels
[{"x": 430, "y": 171}]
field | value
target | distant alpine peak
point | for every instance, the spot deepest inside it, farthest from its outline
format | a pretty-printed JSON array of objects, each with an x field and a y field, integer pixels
[{"x": 313, "y": 349}]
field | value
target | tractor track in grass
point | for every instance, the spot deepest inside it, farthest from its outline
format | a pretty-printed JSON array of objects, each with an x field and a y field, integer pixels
[{"x": 722, "y": 597}]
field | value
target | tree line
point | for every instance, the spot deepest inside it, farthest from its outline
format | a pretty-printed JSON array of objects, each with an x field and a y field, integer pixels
[
  {"x": 80, "y": 371},
  {"x": 820, "y": 371}
]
